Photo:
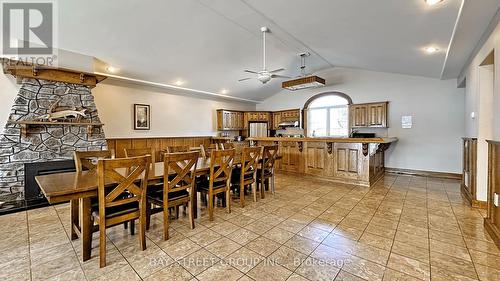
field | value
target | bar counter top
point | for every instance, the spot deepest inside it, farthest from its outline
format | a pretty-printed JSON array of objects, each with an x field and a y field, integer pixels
[{"x": 341, "y": 140}]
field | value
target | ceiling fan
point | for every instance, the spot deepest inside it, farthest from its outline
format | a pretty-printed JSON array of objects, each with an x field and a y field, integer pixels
[{"x": 264, "y": 75}]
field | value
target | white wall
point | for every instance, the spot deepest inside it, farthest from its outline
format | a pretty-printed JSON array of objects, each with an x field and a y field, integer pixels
[
  {"x": 437, "y": 107},
  {"x": 171, "y": 114},
  {"x": 485, "y": 104}
]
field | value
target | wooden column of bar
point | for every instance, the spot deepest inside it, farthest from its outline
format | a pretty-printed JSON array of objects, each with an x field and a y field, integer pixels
[{"x": 492, "y": 221}]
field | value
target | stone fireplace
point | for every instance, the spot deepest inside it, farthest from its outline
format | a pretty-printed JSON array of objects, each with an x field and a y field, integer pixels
[{"x": 43, "y": 143}]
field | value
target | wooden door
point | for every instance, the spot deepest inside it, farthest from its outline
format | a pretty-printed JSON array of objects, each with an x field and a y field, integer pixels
[
  {"x": 377, "y": 115},
  {"x": 315, "y": 161},
  {"x": 359, "y": 115},
  {"x": 347, "y": 160}
]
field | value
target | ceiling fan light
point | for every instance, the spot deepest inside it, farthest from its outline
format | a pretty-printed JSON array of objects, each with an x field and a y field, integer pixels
[{"x": 433, "y": 2}]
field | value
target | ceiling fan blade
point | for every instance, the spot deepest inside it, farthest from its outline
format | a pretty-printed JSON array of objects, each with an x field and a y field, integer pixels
[
  {"x": 280, "y": 76},
  {"x": 244, "y": 79},
  {"x": 277, "y": 70},
  {"x": 250, "y": 71}
]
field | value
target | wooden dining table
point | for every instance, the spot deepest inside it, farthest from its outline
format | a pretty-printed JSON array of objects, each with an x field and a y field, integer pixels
[{"x": 80, "y": 187}]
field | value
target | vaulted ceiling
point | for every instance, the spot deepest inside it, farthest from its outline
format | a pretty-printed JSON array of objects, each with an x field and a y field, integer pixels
[{"x": 208, "y": 43}]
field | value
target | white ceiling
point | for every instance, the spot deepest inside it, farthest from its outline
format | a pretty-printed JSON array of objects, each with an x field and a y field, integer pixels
[{"x": 208, "y": 43}]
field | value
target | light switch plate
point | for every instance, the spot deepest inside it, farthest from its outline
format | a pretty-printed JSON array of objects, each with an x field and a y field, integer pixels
[{"x": 495, "y": 199}]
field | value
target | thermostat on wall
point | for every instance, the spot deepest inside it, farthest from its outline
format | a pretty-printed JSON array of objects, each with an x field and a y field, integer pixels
[{"x": 406, "y": 122}]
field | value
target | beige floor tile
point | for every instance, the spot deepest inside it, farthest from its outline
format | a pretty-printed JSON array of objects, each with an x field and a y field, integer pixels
[
  {"x": 449, "y": 249},
  {"x": 346, "y": 276},
  {"x": 364, "y": 268},
  {"x": 278, "y": 235},
  {"x": 452, "y": 264},
  {"x": 263, "y": 246},
  {"x": 287, "y": 257},
  {"x": 393, "y": 275},
  {"x": 485, "y": 259},
  {"x": 181, "y": 249},
  {"x": 301, "y": 244},
  {"x": 376, "y": 241},
  {"x": 172, "y": 272},
  {"x": 124, "y": 273},
  {"x": 205, "y": 238},
  {"x": 223, "y": 247},
  {"x": 198, "y": 261},
  {"x": 439, "y": 274},
  {"x": 487, "y": 273},
  {"x": 409, "y": 266},
  {"x": 75, "y": 274},
  {"x": 244, "y": 259},
  {"x": 54, "y": 267},
  {"x": 243, "y": 236},
  {"x": 267, "y": 270},
  {"x": 411, "y": 251},
  {"x": 296, "y": 277},
  {"x": 220, "y": 271}
]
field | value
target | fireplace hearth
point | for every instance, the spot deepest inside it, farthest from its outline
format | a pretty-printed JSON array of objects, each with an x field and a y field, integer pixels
[{"x": 33, "y": 196}]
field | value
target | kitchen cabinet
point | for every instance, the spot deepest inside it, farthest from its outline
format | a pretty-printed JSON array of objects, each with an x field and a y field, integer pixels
[
  {"x": 291, "y": 156},
  {"x": 276, "y": 120},
  {"x": 258, "y": 116},
  {"x": 371, "y": 115},
  {"x": 348, "y": 162},
  {"x": 228, "y": 120},
  {"x": 292, "y": 115},
  {"x": 315, "y": 159}
]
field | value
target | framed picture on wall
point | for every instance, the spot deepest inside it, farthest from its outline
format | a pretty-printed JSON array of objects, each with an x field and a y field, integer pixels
[{"x": 142, "y": 118}]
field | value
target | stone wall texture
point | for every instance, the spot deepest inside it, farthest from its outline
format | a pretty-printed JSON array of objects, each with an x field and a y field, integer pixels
[{"x": 46, "y": 142}]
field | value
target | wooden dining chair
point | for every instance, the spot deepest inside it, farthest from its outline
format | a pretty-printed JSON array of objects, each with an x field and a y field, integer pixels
[
  {"x": 178, "y": 186},
  {"x": 85, "y": 161},
  {"x": 178, "y": 148},
  {"x": 246, "y": 174},
  {"x": 135, "y": 152},
  {"x": 266, "y": 171},
  {"x": 113, "y": 209},
  {"x": 206, "y": 151},
  {"x": 227, "y": 145},
  {"x": 219, "y": 180}
]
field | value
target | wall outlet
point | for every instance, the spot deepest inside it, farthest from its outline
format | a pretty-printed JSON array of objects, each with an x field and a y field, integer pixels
[{"x": 495, "y": 199}]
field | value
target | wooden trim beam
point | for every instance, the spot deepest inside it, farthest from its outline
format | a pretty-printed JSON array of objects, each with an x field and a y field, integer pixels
[{"x": 23, "y": 70}]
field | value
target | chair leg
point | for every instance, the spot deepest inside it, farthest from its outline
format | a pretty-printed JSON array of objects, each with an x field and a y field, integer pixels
[
  {"x": 142, "y": 229},
  {"x": 125, "y": 225},
  {"x": 166, "y": 219},
  {"x": 273, "y": 182},
  {"x": 132, "y": 227},
  {"x": 242, "y": 195},
  {"x": 254, "y": 191},
  {"x": 228, "y": 200},
  {"x": 177, "y": 212},
  {"x": 191, "y": 213},
  {"x": 210, "y": 207},
  {"x": 102, "y": 245},
  {"x": 148, "y": 215},
  {"x": 262, "y": 183}
]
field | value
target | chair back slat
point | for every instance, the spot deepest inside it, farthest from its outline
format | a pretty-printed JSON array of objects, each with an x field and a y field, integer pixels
[
  {"x": 249, "y": 160},
  {"x": 221, "y": 166},
  {"x": 207, "y": 151},
  {"x": 179, "y": 170},
  {"x": 135, "y": 152},
  {"x": 226, "y": 145},
  {"x": 269, "y": 156},
  {"x": 87, "y": 160},
  {"x": 125, "y": 172},
  {"x": 179, "y": 148}
]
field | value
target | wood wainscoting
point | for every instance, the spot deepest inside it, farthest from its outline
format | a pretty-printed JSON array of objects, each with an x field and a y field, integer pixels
[
  {"x": 492, "y": 220},
  {"x": 158, "y": 144},
  {"x": 469, "y": 172}
]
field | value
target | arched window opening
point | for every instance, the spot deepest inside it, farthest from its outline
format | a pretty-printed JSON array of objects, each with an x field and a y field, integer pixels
[{"x": 327, "y": 115}]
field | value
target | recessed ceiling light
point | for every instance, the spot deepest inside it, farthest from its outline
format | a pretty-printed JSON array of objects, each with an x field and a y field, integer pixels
[
  {"x": 224, "y": 91},
  {"x": 431, "y": 50},
  {"x": 111, "y": 69},
  {"x": 433, "y": 2},
  {"x": 179, "y": 82}
]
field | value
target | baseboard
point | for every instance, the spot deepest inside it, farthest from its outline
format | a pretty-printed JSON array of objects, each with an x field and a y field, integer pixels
[
  {"x": 432, "y": 174},
  {"x": 493, "y": 231}
]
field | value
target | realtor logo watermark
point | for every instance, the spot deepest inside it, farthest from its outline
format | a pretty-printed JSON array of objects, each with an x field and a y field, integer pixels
[{"x": 29, "y": 31}]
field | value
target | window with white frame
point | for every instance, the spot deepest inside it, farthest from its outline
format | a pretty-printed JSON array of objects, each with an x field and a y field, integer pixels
[{"x": 327, "y": 116}]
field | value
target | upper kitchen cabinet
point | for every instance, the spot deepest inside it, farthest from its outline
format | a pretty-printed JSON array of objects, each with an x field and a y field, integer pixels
[
  {"x": 258, "y": 116},
  {"x": 292, "y": 115},
  {"x": 228, "y": 120},
  {"x": 372, "y": 115}
]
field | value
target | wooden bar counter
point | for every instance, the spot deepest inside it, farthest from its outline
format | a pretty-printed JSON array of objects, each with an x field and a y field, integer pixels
[{"x": 357, "y": 161}]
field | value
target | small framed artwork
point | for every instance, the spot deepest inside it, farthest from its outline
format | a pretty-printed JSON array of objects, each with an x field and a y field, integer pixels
[{"x": 142, "y": 118}]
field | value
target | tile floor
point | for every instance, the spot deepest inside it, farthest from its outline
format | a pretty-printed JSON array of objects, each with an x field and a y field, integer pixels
[{"x": 404, "y": 228}]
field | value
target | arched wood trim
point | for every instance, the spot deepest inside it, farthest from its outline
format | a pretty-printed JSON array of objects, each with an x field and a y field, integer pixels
[
  {"x": 311, "y": 99},
  {"x": 339, "y": 94}
]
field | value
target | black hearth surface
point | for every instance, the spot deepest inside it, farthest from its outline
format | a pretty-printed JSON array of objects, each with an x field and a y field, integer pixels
[{"x": 33, "y": 196}]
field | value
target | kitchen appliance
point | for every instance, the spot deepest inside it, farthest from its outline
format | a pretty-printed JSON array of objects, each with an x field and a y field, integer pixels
[
  {"x": 285, "y": 124},
  {"x": 258, "y": 129},
  {"x": 239, "y": 138},
  {"x": 362, "y": 135},
  {"x": 264, "y": 75}
]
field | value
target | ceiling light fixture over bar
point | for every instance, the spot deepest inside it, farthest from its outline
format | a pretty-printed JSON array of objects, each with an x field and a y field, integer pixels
[{"x": 433, "y": 2}]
